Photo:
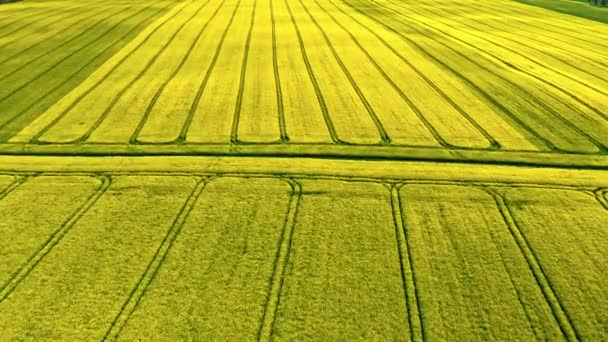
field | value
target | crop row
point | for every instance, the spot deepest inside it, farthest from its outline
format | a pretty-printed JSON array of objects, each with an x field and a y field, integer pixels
[
  {"x": 343, "y": 72},
  {"x": 244, "y": 258}
]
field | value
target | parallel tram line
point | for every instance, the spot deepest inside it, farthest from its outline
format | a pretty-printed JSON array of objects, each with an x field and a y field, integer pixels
[
  {"x": 277, "y": 79},
  {"x": 383, "y": 134},
  {"x": 551, "y": 296},
  {"x": 277, "y": 277},
  {"x": 510, "y": 65},
  {"x": 532, "y": 47},
  {"x": 541, "y": 79},
  {"x": 326, "y": 117},
  {"x": 63, "y": 43},
  {"x": 549, "y": 110},
  {"x": 239, "y": 97},
  {"x": 74, "y": 11},
  {"x": 37, "y": 136},
  {"x": 403, "y": 96},
  {"x": 13, "y": 186},
  {"x": 21, "y": 18},
  {"x": 412, "y": 302},
  {"x": 601, "y": 195},
  {"x": 15, "y": 279},
  {"x": 149, "y": 64},
  {"x": 529, "y": 130},
  {"x": 161, "y": 89},
  {"x": 548, "y": 28},
  {"x": 200, "y": 90},
  {"x": 82, "y": 67},
  {"x": 493, "y": 143},
  {"x": 148, "y": 276}
]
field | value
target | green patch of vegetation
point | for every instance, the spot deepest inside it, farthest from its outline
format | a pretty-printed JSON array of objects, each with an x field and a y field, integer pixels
[{"x": 589, "y": 9}]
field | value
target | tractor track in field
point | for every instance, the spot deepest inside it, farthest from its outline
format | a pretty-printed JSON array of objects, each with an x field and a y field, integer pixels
[
  {"x": 518, "y": 69},
  {"x": 277, "y": 78},
  {"x": 386, "y": 77},
  {"x": 551, "y": 296},
  {"x": 43, "y": 15},
  {"x": 21, "y": 273},
  {"x": 133, "y": 81},
  {"x": 234, "y": 130},
  {"x": 277, "y": 278},
  {"x": 14, "y": 185},
  {"x": 544, "y": 29},
  {"x": 82, "y": 48},
  {"x": 385, "y": 139},
  {"x": 37, "y": 136},
  {"x": 412, "y": 297},
  {"x": 524, "y": 92},
  {"x": 147, "y": 277},
  {"x": 494, "y": 144},
  {"x": 472, "y": 84},
  {"x": 517, "y": 8},
  {"x": 142, "y": 122},
  {"x": 510, "y": 116},
  {"x": 44, "y": 38},
  {"x": 514, "y": 51},
  {"x": 77, "y": 11},
  {"x": 601, "y": 195},
  {"x": 201, "y": 88},
  {"x": 319, "y": 94},
  {"x": 531, "y": 46}
]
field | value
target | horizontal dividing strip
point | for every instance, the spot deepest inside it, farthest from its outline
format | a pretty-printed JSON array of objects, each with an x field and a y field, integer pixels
[
  {"x": 549, "y": 293},
  {"x": 407, "y": 267},
  {"x": 280, "y": 264},
  {"x": 593, "y": 190},
  {"x": 148, "y": 276},
  {"x": 323, "y": 151},
  {"x": 52, "y": 241}
]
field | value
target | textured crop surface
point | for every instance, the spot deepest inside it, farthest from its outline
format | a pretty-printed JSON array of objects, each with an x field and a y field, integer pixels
[
  {"x": 303, "y": 170},
  {"x": 192, "y": 255},
  {"x": 362, "y": 78}
]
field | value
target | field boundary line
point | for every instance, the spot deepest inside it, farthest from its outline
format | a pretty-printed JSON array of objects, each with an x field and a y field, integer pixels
[
  {"x": 277, "y": 78},
  {"x": 154, "y": 265},
  {"x": 141, "y": 74},
  {"x": 24, "y": 270},
  {"x": 277, "y": 279},
  {"x": 333, "y": 134},
  {"x": 67, "y": 79},
  {"x": 159, "y": 23},
  {"x": 201, "y": 88},
  {"x": 385, "y": 139},
  {"x": 412, "y": 302},
  {"x": 234, "y": 130},
  {"x": 161, "y": 89},
  {"x": 559, "y": 312}
]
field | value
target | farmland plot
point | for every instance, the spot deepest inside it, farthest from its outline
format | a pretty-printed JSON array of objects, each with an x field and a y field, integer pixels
[
  {"x": 197, "y": 255},
  {"x": 357, "y": 77}
]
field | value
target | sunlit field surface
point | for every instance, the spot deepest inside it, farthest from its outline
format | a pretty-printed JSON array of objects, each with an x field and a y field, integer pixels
[{"x": 302, "y": 170}]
